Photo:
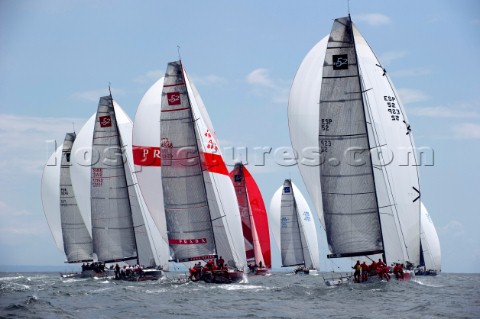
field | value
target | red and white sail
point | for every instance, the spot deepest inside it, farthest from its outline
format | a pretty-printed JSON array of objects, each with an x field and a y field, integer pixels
[{"x": 253, "y": 215}]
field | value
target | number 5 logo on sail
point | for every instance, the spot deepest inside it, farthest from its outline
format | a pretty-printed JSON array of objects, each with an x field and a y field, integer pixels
[{"x": 173, "y": 98}]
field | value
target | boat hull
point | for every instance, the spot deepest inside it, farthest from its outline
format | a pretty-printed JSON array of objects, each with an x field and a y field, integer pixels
[
  {"x": 221, "y": 277},
  {"x": 261, "y": 271}
]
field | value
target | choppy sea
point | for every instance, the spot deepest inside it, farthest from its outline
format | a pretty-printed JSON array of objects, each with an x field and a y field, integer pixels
[{"x": 279, "y": 295}]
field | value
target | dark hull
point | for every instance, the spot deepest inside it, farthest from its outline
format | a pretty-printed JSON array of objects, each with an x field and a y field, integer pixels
[{"x": 220, "y": 277}]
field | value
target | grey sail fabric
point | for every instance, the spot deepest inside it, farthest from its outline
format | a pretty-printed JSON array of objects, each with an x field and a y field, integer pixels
[
  {"x": 290, "y": 234},
  {"x": 187, "y": 212},
  {"x": 77, "y": 242},
  {"x": 112, "y": 226},
  {"x": 348, "y": 189}
]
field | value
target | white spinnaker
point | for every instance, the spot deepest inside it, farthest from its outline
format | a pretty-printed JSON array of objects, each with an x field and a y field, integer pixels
[
  {"x": 304, "y": 119},
  {"x": 306, "y": 218},
  {"x": 432, "y": 254},
  {"x": 80, "y": 171},
  {"x": 146, "y": 136},
  {"x": 274, "y": 213},
  {"x": 51, "y": 196},
  {"x": 392, "y": 136},
  {"x": 308, "y": 224},
  {"x": 219, "y": 184}
]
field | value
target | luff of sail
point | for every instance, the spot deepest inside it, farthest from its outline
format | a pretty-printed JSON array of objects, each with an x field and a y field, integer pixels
[
  {"x": 77, "y": 241},
  {"x": 187, "y": 212},
  {"x": 348, "y": 190},
  {"x": 253, "y": 215},
  {"x": 112, "y": 225}
]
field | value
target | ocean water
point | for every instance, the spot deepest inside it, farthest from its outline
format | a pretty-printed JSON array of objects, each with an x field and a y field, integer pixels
[{"x": 279, "y": 295}]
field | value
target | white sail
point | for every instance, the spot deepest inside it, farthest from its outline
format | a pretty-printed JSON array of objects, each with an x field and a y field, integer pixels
[
  {"x": 432, "y": 255},
  {"x": 51, "y": 196},
  {"x": 226, "y": 218},
  {"x": 77, "y": 241},
  {"x": 339, "y": 85},
  {"x": 80, "y": 170},
  {"x": 146, "y": 157},
  {"x": 303, "y": 121},
  {"x": 293, "y": 227},
  {"x": 394, "y": 149}
]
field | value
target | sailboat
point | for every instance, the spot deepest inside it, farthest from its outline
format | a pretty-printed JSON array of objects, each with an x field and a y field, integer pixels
[
  {"x": 119, "y": 231},
  {"x": 61, "y": 209},
  {"x": 293, "y": 229},
  {"x": 430, "y": 253},
  {"x": 356, "y": 150},
  {"x": 254, "y": 220},
  {"x": 185, "y": 181}
]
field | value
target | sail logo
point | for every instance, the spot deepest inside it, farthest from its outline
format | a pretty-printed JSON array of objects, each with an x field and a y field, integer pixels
[
  {"x": 284, "y": 222},
  {"x": 105, "y": 121},
  {"x": 166, "y": 143},
  {"x": 286, "y": 189},
  {"x": 173, "y": 98},
  {"x": 340, "y": 62},
  {"x": 211, "y": 145},
  {"x": 306, "y": 216},
  {"x": 193, "y": 241}
]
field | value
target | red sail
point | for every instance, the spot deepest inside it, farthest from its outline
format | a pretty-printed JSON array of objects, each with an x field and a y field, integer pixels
[{"x": 253, "y": 215}]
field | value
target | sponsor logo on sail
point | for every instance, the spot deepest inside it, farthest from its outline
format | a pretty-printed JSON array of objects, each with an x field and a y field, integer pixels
[
  {"x": 340, "y": 62},
  {"x": 105, "y": 121},
  {"x": 173, "y": 98},
  {"x": 193, "y": 241}
]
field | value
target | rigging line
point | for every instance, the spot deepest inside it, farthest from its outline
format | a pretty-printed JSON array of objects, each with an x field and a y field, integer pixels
[{"x": 178, "y": 50}]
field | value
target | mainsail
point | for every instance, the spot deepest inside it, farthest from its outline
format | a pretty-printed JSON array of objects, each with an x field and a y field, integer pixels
[
  {"x": 253, "y": 215},
  {"x": 293, "y": 227},
  {"x": 112, "y": 225},
  {"x": 343, "y": 96},
  {"x": 77, "y": 242}
]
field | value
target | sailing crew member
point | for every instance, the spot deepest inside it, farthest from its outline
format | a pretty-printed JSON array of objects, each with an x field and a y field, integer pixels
[
  {"x": 356, "y": 274},
  {"x": 260, "y": 264},
  {"x": 365, "y": 268}
]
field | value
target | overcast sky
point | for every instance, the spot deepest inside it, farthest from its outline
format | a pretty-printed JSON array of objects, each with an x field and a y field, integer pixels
[{"x": 58, "y": 57}]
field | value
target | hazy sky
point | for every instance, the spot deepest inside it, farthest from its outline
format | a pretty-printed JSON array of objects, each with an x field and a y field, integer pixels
[{"x": 58, "y": 57}]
